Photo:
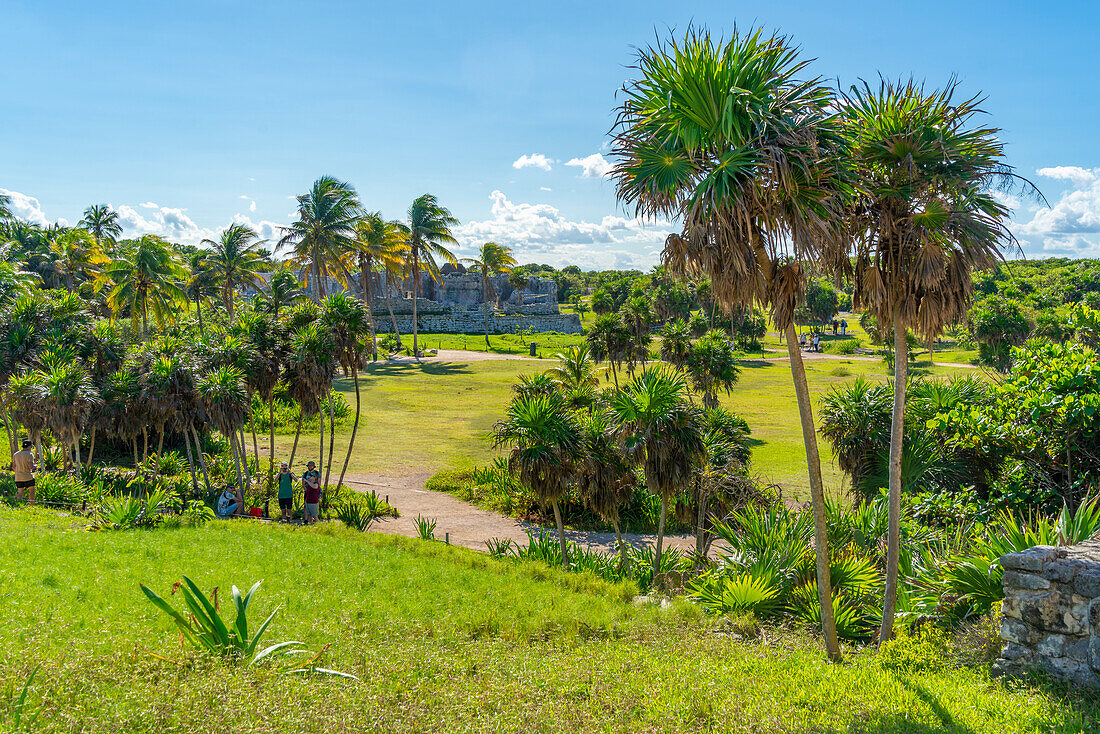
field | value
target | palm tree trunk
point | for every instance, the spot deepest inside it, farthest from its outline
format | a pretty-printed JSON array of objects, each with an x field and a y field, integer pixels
[
  {"x": 201, "y": 458},
  {"x": 190, "y": 462},
  {"x": 660, "y": 539},
  {"x": 389, "y": 307},
  {"x": 817, "y": 494},
  {"x": 252, "y": 427},
  {"x": 244, "y": 459},
  {"x": 297, "y": 435},
  {"x": 366, "y": 275},
  {"x": 314, "y": 281},
  {"x": 622, "y": 546},
  {"x": 331, "y": 443},
  {"x": 416, "y": 297},
  {"x": 321, "y": 450},
  {"x": 561, "y": 535},
  {"x": 144, "y": 445},
  {"x": 897, "y": 438},
  {"x": 160, "y": 444},
  {"x": 271, "y": 444},
  {"x": 136, "y": 462},
  {"x": 931, "y": 350},
  {"x": 237, "y": 465},
  {"x": 354, "y": 429},
  {"x": 91, "y": 446}
]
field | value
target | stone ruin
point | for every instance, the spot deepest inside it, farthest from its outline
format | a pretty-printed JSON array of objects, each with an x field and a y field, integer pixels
[{"x": 1051, "y": 613}]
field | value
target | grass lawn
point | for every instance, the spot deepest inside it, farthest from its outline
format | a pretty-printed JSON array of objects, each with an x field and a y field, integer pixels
[
  {"x": 442, "y": 639},
  {"x": 548, "y": 343},
  {"x": 438, "y": 415}
]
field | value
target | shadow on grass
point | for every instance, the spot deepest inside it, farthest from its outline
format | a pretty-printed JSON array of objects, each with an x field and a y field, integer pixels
[
  {"x": 390, "y": 369},
  {"x": 754, "y": 363}
]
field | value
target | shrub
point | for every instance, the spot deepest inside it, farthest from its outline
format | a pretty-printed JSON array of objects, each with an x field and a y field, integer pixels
[
  {"x": 844, "y": 346},
  {"x": 923, "y": 650}
]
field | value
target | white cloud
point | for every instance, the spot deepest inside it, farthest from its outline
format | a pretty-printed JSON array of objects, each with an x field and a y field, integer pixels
[
  {"x": 1071, "y": 226},
  {"x": 539, "y": 232},
  {"x": 593, "y": 166},
  {"x": 149, "y": 205},
  {"x": 26, "y": 208},
  {"x": 534, "y": 160},
  {"x": 545, "y": 188}
]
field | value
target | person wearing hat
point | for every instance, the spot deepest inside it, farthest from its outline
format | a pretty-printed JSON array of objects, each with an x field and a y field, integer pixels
[
  {"x": 286, "y": 492},
  {"x": 22, "y": 463},
  {"x": 311, "y": 484}
]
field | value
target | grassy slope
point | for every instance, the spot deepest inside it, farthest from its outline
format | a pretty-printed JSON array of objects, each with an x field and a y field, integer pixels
[
  {"x": 443, "y": 639},
  {"x": 432, "y": 416}
]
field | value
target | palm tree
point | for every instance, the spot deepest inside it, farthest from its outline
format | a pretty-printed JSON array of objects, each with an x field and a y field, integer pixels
[
  {"x": 609, "y": 340},
  {"x": 712, "y": 366},
  {"x": 6, "y": 212},
  {"x": 575, "y": 369},
  {"x": 380, "y": 244},
  {"x": 76, "y": 253},
  {"x": 234, "y": 261},
  {"x": 491, "y": 259},
  {"x": 145, "y": 280},
  {"x": 349, "y": 324},
  {"x": 23, "y": 400},
  {"x": 637, "y": 315},
  {"x": 429, "y": 230},
  {"x": 102, "y": 223},
  {"x": 546, "y": 445},
  {"x": 925, "y": 219},
  {"x": 68, "y": 397},
  {"x": 224, "y": 400},
  {"x": 312, "y": 367},
  {"x": 282, "y": 291},
  {"x": 266, "y": 340},
  {"x": 200, "y": 286},
  {"x": 676, "y": 343},
  {"x": 662, "y": 432},
  {"x": 326, "y": 229},
  {"x": 726, "y": 137},
  {"x": 606, "y": 479}
]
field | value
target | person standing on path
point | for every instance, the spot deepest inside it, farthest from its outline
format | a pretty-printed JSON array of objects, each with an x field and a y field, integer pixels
[
  {"x": 311, "y": 485},
  {"x": 286, "y": 492},
  {"x": 22, "y": 462}
]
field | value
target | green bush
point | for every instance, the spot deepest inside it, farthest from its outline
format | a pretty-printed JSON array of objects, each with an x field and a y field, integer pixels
[
  {"x": 844, "y": 346},
  {"x": 923, "y": 650}
]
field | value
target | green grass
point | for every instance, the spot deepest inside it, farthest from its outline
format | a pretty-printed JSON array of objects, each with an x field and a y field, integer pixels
[
  {"x": 442, "y": 639},
  {"x": 548, "y": 343},
  {"x": 432, "y": 416}
]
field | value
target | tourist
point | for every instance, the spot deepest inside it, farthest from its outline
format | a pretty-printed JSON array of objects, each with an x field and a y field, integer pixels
[
  {"x": 286, "y": 492},
  {"x": 228, "y": 503},
  {"x": 817, "y": 342},
  {"x": 843, "y": 327},
  {"x": 22, "y": 463},
  {"x": 311, "y": 485}
]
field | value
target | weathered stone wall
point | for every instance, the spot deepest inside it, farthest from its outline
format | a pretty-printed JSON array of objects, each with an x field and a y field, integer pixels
[
  {"x": 467, "y": 321},
  {"x": 1052, "y": 613}
]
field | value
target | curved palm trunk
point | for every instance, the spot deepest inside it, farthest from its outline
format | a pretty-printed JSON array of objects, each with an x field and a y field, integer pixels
[
  {"x": 561, "y": 536},
  {"x": 160, "y": 444},
  {"x": 297, "y": 435},
  {"x": 897, "y": 438},
  {"x": 416, "y": 297},
  {"x": 144, "y": 445},
  {"x": 321, "y": 450},
  {"x": 660, "y": 539},
  {"x": 237, "y": 466},
  {"x": 354, "y": 430},
  {"x": 366, "y": 277},
  {"x": 201, "y": 458},
  {"x": 331, "y": 443},
  {"x": 271, "y": 445},
  {"x": 190, "y": 461},
  {"x": 817, "y": 494},
  {"x": 91, "y": 446},
  {"x": 252, "y": 428},
  {"x": 389, "y": 307},
  {"x": 244, "y": 459},
  {"x": 136, "y": 462}
]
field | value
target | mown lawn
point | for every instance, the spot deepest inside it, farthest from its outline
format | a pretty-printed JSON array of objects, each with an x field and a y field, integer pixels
[
  {"x": 439, "y": 415},
  {"x": 442, "y": 639}
]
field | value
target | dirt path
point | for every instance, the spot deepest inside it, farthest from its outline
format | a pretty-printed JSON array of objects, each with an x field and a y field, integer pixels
[{"x": 467, "y": 525}]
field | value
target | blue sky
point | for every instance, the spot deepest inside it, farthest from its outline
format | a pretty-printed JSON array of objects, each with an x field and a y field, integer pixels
[{"x": 188, "y": 115}]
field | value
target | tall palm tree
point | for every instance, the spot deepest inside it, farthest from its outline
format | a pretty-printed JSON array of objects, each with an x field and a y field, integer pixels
[
  {"x": 924, "y": 220},
  {"x": 727, "y": 138},
  {"x": 349, "y": 324},
  {"x": 546, "y": 444},
  {"x": 311, "y": 369},
  {"x": 326, "y": 229},
  {"x": 266, "y": 340},
  {"x": 662, "y": 432},
  {"x": 429, "y": 231},
  {"x": 676, "y": 343},
  {"x": 606, "y": 478},
  {"x": 491, "y": 259},
  {"x": 379, "y": 244},
  {"x": 76, "y": 254},
  {"x": 224, "y": 400},
  {"x": 200, "y": 286},
  {"x": 102, "y": 223},
  {"x": 235, "y": 261},
  {"x": 281, "y": 291},
  {"x": 144, "y": 280},
  {"x": 575, "y": 369},
  {"x": 6, "y": 212}
]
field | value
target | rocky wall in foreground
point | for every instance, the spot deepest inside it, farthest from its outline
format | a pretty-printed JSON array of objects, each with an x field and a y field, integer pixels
[{"x": 1052, "y": 613}]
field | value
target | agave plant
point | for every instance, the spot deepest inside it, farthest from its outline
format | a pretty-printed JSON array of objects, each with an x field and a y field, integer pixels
[{"x": 232, "y": 641}]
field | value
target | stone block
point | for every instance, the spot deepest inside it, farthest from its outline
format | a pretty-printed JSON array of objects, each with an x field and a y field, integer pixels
[
  {"x": 1094, "y": 653},
  {"x": 1016, "y": 651},
  {"x": 1062, "y": 571},
  {"x": 1033, "y": 559},
  {"x": 1014, "y": 630},
  {"x": 1054, "y": 612},
  {"x": 1051, "y": 646},
  {"x": 1088, "y": 583},
  {"x": 1077, "y": 648},
  {"x": 1019, "y": 580},
  {"x": 1094, "y": 618}
]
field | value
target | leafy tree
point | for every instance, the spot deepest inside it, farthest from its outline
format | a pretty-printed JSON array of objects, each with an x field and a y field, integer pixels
[
  {"x": 998, "y": 324},
  {"x": 429, "y": 230},
  {"x": 144, "y": 279},
  {"x": 545, "y": 446},
  {"x": 225, "y": 401},
  {"x": 328, "y": 216},
  {"x": 712, "y": 366},
  {"x": 234, "y": 261},
  {"x": 491, "y": 259},
  {"x": 727, "y": 139},
  {"x": 281, "y": 292},
  {"x": 637, "y": 315},
  {"x": 924, "y": 220},
  {"x": 102, "y": 223},
  {"x": 660, "y": 430},
  {"x": 676, "y": 343},
  {"x": 602, "y": 302},
  {"x": 822, "y": 302},
  {"x": 76, "y": 254},
  {"x": 609, "y": 340}
]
